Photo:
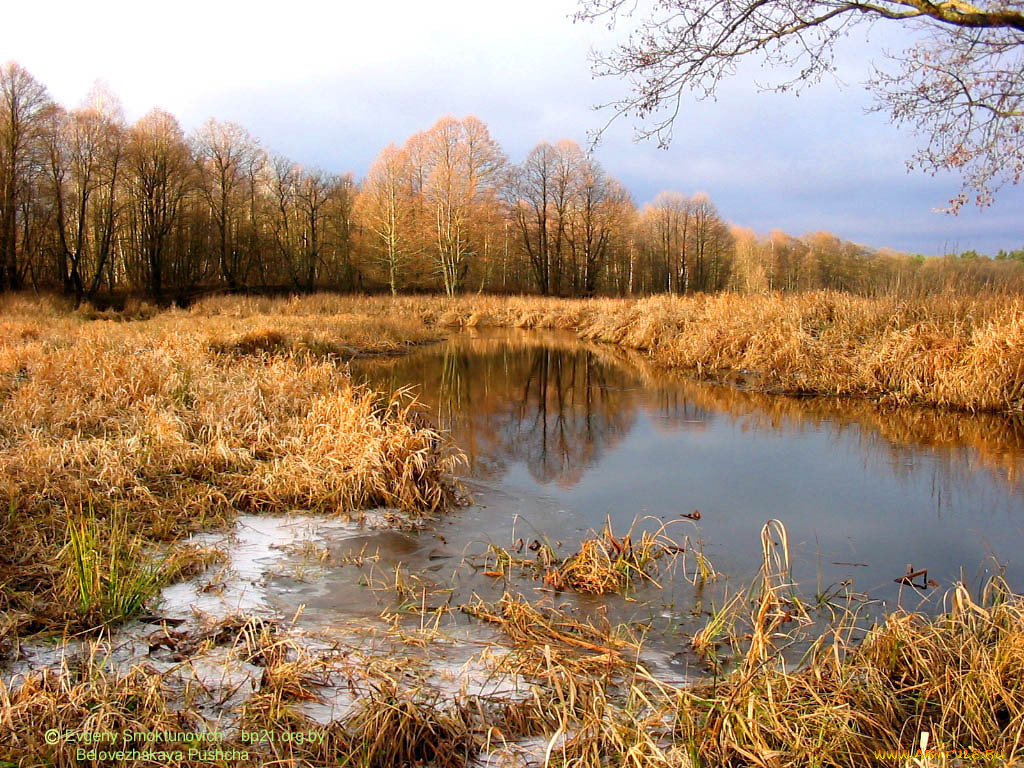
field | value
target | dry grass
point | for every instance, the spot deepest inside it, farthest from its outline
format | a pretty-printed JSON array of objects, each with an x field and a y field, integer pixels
[
  {"x": 174, "y": 424},
  {"x": 957, "y": 678},
  {"x": 170, "y": 422},
  {"x": 592, "y": 702},
  {"x": 949, "y": 351},
  {"x": 90, "y": 699},
  {"x": 529, "y": 627},
  {"x": 965, "y": 353},
  {"x": 608, "y": 563}
]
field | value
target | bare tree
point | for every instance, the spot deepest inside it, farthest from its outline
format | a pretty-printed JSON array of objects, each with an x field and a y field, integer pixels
[
  {"x": 602, "y": 208},
  {"x": 712, "y": 246},
  {"x": 961, "y": 86},
  {"x": 341, "y": 267},
  {"x": 385, "y": 203},
  {"x": 160, "y": 176},
  {"x": 463, "y": 169},
  {"x": 74, "y": 143},
  {"x": 543, "y": 193},
  {"x": 108, "y": 203},
  {"x": 531, "y": 196},
  {"x": 226, "y": 155},
  {"x": 666, "y": 224},
  {"x": 313, "y": 192},
  {"x": 567, "y": 179},
  {"x": 23, "y": 106},
  {"x": 83, "y": 151}
]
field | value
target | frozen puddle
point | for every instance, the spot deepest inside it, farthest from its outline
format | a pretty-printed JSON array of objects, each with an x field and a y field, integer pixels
[
  {"x": 259, "y": 545},
  {"x": 194, "y": 641},
  {"x": 528, "y": 753},
  {"x": 216, "y": 681}
]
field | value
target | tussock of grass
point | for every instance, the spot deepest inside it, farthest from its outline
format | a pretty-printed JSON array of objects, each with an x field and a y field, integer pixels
[
  {"x": 265, "y": 341},
  {"x": 88, "y": 699},
  {"x": 604, "y": 564},
  {"x": 607, "y": 564},
  {"x": 107, "y": 569},
  {"x": 188, "y": 560},
  {"x": 343, "y": 336},
  {"x": 398, "y": 727}
]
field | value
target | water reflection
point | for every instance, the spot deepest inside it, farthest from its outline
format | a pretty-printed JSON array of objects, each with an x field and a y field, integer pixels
[
  {"x": 561, "y": 435},
  {"x": 557, "y": 409},
  {"x": 558, "y": 405}
]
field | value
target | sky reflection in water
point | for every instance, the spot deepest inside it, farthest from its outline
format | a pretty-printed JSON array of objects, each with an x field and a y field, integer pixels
[{"x": 565, "y": 434}]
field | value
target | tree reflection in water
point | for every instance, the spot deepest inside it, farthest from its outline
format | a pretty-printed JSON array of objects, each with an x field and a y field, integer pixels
[
  {"x": 558, "y": 405},
  {"x": 565, "y": 434},
  {"x": 555, "y": 408}
]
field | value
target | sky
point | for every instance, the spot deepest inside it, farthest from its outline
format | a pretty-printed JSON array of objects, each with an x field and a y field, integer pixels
[{"x": 331, "y": 83}]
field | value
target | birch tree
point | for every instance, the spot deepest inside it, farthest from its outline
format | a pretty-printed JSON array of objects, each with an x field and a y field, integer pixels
[{"x": 385, "y": 203}]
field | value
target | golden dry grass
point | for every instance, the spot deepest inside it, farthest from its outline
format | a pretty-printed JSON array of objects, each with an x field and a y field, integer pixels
[
  {"x": 608, "y": 563},
  {"x": 592, "y": 702},
  {"x": 958, "y": 677},
  {"x": 964, "y": 353},
  {"x": 175, "y": 423},
  {"x": 948, "y": 351}
]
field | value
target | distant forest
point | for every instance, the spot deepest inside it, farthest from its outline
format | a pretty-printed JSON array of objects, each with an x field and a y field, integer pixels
[{"x": 96, "y": 208}]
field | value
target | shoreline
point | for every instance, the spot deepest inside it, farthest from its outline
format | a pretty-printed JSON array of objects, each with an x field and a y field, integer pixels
[{"x": 179, "y": 375}]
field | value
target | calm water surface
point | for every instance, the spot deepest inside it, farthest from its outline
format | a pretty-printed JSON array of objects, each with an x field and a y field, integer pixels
[{"x": 562, "y": 435}]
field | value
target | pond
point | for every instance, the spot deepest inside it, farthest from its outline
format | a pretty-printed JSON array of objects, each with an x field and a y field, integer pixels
[{"x": 562, "y": 437}]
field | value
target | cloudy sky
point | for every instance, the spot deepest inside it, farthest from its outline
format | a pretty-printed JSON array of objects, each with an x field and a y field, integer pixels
[{"x": 331, "y": 83}]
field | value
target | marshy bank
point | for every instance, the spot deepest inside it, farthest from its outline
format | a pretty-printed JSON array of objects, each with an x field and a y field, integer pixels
[
  {"x": 484, "y": 638},
  {"x": 119, "y": 435},
  {"x": 949, "y": 351}
]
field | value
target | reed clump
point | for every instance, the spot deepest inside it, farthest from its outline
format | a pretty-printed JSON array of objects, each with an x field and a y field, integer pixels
[
  {"x": 858, "y": 695},
  {"x": 107, "y": 569},
  {"x": 612, "y": 564},
  {"x": 606, "y": 563},
  {"x": 956, "y": 678}
]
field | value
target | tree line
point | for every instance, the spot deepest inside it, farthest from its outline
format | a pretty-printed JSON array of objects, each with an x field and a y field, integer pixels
[{"x": 94, "y": 207}]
